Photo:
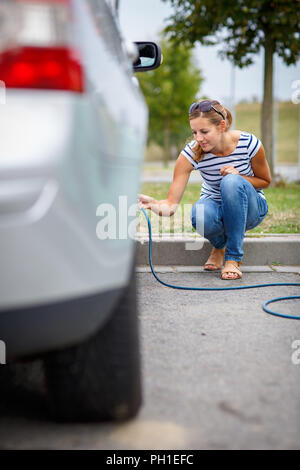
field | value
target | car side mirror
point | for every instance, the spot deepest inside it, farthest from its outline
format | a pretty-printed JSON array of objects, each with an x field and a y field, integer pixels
[{"x": 149, "y": 56}]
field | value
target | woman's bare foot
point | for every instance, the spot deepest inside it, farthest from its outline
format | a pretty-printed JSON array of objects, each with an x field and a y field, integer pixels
[{"x": 215, "y": 260}]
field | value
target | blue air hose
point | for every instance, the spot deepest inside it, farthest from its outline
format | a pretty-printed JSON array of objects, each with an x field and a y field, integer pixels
[{"x": 277, "y": 299}]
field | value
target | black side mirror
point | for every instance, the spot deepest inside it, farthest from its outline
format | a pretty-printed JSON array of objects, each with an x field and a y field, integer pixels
[{"x": 149, "y": 58}]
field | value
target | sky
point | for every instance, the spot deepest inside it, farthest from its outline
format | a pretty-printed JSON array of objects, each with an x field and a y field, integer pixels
[{"x": 143, "y": 19}]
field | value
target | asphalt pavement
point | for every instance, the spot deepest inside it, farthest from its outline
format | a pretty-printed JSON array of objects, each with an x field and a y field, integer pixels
[{"x": 218, "y": 373}]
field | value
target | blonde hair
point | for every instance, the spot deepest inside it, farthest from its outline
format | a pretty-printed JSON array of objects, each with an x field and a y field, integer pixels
[{"x": 214, "y": 118}]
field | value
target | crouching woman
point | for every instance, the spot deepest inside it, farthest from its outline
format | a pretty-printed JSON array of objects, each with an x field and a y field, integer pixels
[{"x": 234, "y": 170}]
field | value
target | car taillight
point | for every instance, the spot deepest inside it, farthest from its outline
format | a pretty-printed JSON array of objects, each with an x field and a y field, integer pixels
[{"x": 35, "y": 49}]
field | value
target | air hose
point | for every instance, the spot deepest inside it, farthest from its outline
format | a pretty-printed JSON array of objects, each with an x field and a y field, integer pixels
[{"x": 264, "y": 306}]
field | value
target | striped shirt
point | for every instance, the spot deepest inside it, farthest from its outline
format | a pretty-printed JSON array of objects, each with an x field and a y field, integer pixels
[{"x": 248, "y": 145}]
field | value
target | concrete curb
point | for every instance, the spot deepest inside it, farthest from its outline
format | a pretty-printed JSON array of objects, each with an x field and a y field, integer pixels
[{"x": 194, "y": 251}]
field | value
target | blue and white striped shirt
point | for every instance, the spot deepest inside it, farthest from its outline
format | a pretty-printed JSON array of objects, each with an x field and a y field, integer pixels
[{"x": 248, "y": 145}]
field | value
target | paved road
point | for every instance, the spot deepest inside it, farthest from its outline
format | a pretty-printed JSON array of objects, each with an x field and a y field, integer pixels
[{"x": 218, "y": 374}]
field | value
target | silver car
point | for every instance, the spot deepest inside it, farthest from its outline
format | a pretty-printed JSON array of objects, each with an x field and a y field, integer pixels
[{"x": 73, "y": 128}]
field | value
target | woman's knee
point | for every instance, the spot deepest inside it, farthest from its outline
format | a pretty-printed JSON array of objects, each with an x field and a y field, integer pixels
[
  {"x": 204, "y": 218},
  {"x": 197, "y": 214},
  {"x": 230, "y": 183}
]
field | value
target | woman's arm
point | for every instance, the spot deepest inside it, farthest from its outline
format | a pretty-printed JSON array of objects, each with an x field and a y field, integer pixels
[
  {"x": 261, "y": 170},
  {"x": 260, "y": 167},
  {"x": 167, "y": 207}
]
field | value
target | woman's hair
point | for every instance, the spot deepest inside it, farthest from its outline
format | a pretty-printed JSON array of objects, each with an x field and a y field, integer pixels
[{"x": 214, "y": 118}]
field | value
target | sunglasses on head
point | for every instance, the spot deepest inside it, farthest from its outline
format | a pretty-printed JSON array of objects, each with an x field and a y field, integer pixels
[{"x": 205, "y": 107}]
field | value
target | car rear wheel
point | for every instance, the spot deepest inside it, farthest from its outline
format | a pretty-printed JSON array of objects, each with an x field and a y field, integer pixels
[{"x": 99, "y": 379}]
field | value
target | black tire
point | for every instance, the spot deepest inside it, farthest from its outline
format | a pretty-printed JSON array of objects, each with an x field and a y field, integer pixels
[{"x": 100, "y": 379}]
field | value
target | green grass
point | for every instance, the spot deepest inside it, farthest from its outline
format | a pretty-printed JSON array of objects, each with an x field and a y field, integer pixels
[
  {"x": 283, "y": 215},
  {"x": 248, "y": 118},
  {"x": 286, "y": 129}
]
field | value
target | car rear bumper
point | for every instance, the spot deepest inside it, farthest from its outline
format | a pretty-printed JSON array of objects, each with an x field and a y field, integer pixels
[{"x": 35, "y": 330}]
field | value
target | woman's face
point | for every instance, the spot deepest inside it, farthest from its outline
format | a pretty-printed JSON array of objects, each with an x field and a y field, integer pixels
[{"x": 205, "y": 133}]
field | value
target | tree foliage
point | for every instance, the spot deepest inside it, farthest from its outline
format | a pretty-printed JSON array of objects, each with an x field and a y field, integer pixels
[
  {"x": 241, "y": 26},
  {"x": 169, "y": 91}
]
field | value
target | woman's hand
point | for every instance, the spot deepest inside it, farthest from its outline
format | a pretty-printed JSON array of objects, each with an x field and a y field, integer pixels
[
  {"x": 167, "y": 207},
  {"x": 228, "y": 170},
  {"x": 162, "y": 208},
  {"x": 145, "y": 201}
]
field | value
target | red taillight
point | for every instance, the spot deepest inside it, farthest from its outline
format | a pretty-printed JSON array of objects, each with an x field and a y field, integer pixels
[
  {"x": 41, "y": 67},
  {"x": 36, "y": 51}
]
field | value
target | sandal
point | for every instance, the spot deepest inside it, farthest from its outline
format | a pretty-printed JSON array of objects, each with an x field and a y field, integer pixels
[
  {"x": 211, "y": 265},
  {"x": 232, "y": 268}
]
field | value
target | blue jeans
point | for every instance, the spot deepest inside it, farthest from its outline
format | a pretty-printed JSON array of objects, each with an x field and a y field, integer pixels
[{"x": 226, "y": 221}]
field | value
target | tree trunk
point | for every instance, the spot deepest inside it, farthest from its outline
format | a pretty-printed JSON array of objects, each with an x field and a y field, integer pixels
[
  {"x": 166, "y": 143},
  {"x": 267, "y": 106}
]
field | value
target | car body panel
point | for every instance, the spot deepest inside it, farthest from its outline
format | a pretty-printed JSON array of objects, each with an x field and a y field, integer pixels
[{"x": 64, "y": 157}]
